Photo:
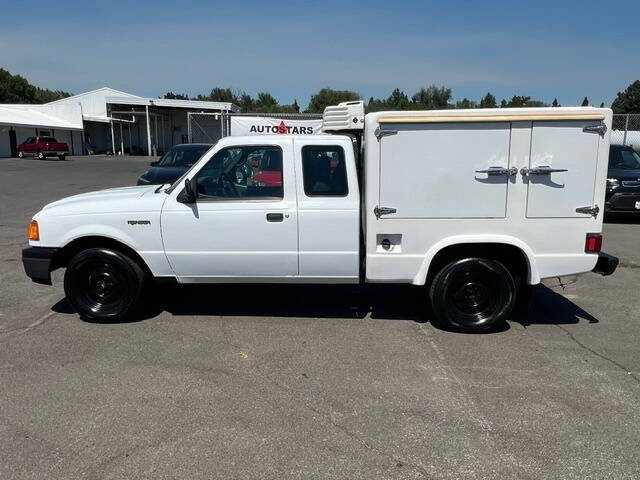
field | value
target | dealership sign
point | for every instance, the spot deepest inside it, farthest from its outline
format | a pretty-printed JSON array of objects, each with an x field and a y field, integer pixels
[{"x": 270, "y": 126}]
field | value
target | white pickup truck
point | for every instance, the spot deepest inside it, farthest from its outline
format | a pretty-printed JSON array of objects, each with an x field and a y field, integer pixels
[{"x": 469, "y": 205}]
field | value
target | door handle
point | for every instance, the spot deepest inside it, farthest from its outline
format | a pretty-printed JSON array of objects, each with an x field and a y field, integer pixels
[
  {"x": 275, "y": 217},
  {"x": 542, "y": 170},
  {"x": 499, "y": 171}
]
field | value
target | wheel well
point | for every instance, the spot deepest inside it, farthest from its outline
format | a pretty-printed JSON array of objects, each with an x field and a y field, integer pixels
[
  {"x": 65, "y": 254},
  {"x": 510, "y": 256}
]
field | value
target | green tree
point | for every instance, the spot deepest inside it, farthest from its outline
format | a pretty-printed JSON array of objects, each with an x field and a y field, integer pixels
[
  {"x": 176, "y": 96},
  {"x": 555, "y": 103},
  {"x": 488, "y": 101},
  {"x": 398, "y": 100},
  {"x": 245, "y": 102},
  {"x": 521, "y": 101},
  {"x": 465, "y": 103},
  {"x": 585, "y": 102},
  {"x": 16, "y": 89},
  {"x": 327, "y": 96},
  {"x": 266, "y": 103},
  {"x": 218, "y": 94},
  {"x": 432, "y": 98},
  {"x": 629, "y": 100}
]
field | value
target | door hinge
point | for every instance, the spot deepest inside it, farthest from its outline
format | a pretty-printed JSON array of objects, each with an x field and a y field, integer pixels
[
  {"x": 599, "y": 129},
  {"x": 379, "y": 211},
  {"x": 379, "y": 133},
  {"x": 593, "y": 210}
]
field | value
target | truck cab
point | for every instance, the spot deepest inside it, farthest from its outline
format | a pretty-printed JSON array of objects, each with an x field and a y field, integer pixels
[
  {"x": 244, "y": 228},
  {"x": 471, "y": 206}
]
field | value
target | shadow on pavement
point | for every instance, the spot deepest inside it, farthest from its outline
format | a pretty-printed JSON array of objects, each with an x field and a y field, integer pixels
[
  {"x": 551, "y": 308},
  {"x": 383, "y": 302},
  {"x": 623, "y": 219}
]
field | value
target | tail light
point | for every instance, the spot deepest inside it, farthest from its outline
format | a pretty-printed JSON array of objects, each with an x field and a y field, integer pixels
[
  {"x": 34, "y": 232},
  {"x": 593, "y": 243}
]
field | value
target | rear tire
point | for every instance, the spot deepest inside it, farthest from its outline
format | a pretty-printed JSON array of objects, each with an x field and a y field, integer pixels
[
  {"x": 472, "y": 294},
  {"x": 20, "y": 154},
  {"x": 41, "y": 156},
  {"x": 103, "y": 285}
]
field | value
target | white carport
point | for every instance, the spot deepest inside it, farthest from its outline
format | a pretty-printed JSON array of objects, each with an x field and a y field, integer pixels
[
  {"x": 18, "y": 122},
  {"x": 107, "y": 120},
  {"x": 160, "y": 123}
]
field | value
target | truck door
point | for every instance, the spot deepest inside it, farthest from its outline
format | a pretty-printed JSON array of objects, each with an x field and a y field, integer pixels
[
  {"x": 244, "y": 222},
  {"x": 328, "y": 210},
  {"x": 444, "y": 170},
  {"x": 562, "y": 169}
]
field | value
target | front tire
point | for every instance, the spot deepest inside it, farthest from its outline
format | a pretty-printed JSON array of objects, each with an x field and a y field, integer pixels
[
  {"x": 473, "y": 294},
  {"x": 41, "y": 155},
  {"x": 103, "y": 285}
]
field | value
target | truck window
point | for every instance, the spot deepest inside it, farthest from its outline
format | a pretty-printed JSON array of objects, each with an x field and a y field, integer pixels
[
  {"x": 250, "y": 172},
  {"x": 324, "y": 171}
]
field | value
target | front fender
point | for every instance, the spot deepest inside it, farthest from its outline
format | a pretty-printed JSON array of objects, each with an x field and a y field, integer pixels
[{"x": 533, "y": 276}]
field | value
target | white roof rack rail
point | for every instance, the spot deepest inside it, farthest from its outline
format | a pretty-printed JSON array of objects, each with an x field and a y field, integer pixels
[{"x": 344, "y": 116}]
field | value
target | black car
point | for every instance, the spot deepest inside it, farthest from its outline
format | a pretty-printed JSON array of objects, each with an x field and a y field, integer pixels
[
  {"x": 623, "y": 181},
  {"x": 173, "y": 164}
]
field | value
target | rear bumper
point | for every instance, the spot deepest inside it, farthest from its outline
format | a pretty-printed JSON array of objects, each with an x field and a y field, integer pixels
[
  {"x": 606, "y": 264},
  {"x": 37, "y": 263},
  {"x": 51, "y": 153}
]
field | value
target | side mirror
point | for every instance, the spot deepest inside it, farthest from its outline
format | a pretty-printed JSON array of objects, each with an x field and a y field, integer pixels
[
  {"x": 154, "y": 163},
  {"x": 189, "y": 194}
]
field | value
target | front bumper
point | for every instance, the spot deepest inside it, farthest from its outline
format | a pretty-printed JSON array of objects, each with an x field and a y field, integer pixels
[
  {"x": 37, "y": 263},
  {"x": 623, "y": 203},
  {"x": 606, "y": 264}
]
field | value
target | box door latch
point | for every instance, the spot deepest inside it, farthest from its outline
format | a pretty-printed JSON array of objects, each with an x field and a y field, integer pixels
[
  {"x": 599, "y": 129},
  {"x": 379, "y": 211},
  {"x": 592, "y": 210},
  {"x": 379, "y": 133}
]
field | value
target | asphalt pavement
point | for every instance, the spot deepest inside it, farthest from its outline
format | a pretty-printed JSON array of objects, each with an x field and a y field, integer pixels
[{"x": 258, "y": 381}]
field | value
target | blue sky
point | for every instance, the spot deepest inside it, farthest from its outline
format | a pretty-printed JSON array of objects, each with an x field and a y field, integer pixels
[{"x": 543, "y": 49}]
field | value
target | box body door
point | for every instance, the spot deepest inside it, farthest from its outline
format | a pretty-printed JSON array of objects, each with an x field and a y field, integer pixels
[
  {"x": 558, "y": 146},
  {"x": 431, "y": 170}
]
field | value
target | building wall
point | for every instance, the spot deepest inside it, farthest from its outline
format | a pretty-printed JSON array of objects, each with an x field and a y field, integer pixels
[
  {"x": 5, "y": 145},
  {"x": 98, "y": 136}
]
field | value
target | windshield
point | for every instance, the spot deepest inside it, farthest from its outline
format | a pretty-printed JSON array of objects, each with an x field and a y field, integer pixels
[
  {"x": 624, "y": 159},
  {"x": 180, "y": 180},
  {"x": 48, "y": 139},
  {"x": 182, "y": 156}
]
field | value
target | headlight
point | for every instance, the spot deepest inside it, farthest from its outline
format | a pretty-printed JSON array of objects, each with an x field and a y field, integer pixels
[{"x": 612, "y": 183}]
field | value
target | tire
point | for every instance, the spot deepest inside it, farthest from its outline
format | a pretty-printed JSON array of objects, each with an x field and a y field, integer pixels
[
  {"x": 41, "y": 156},
  {"x": 20, "y": 154},
  {"x": 472, "y": 294},
  {"x": 62, "y": 157},
  {"x": 103, "y": 285}
]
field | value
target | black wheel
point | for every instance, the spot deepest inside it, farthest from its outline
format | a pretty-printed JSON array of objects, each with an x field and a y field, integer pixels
[
  {"x": 40, "y": 155},
  {"x": 20, "y": 154},
  {"x": 62, "y": 157},
  {"x": 103, "y": 285},
  {"x": 473, "y": 294}
]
